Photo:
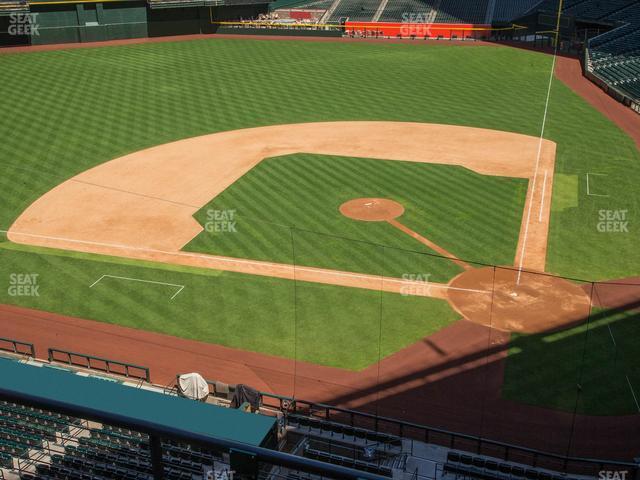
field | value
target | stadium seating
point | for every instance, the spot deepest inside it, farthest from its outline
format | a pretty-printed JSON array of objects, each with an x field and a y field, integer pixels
[
  {"x": 597, "y": 9},
  {"x": 302, "y": 4},
  {"x": 449, "y": 11},
  {"x": 24, "y": 428},
  {"x": 479, "y": 467},
  {"x": 114, "y": 453},
  {"x": 13, "y": 6},
  {"x": 102, "y": 452},
  {"x": 615, "y": 55},
  {"x": 36, "y": 444},
  {"x": 462, "y": 11},
  {"x": 397, "y": 10},
  {"x": 311, "y": 424},
  {"x": 355, "y": 10},
  {"x": 506, "y": 10}
]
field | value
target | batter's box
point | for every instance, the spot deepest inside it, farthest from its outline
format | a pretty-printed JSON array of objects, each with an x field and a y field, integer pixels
[{"x": 597, "y": 185}]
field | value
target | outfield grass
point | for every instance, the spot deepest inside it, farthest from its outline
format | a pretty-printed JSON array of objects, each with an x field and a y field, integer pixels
[
  {"x": 334, "y": 326},
  {"x": 67, "y": 111},
  {"x": 97, "y": 104},
  {"x": 283, "y": 202}
]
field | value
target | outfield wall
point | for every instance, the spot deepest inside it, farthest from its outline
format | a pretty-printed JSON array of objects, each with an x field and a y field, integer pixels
[
  {"x": 79, "y": 22},
  {"x": 420, "y": 30}
]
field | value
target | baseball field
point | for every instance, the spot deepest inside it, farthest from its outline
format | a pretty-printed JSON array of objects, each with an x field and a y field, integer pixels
[{"x": 333, "y": 203}]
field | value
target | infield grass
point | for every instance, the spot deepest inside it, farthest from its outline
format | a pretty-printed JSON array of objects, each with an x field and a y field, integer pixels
[{"x": 289, "y": 206}]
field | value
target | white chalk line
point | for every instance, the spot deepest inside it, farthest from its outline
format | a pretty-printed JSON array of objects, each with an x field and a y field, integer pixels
[
  {"x": 589, "y": 189},
  {"x": 544, "y": 189},
  {"x": 540, "y": 143},
  {"x": 246, "y": 262},
  {"x": 180, "y": 287}
]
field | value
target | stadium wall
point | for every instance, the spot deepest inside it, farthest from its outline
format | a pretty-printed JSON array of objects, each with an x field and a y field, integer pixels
[
  {"x": 420, "y": 30},
  {"x": 79, "y": 22},
  {"x": 608, "y": 88}
]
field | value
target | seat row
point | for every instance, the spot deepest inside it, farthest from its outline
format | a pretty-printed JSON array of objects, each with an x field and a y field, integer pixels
[
  {"x": 333, "y": 428},
  {"x": 486, "y": 469},
  {"x": 348, "y": 462}
]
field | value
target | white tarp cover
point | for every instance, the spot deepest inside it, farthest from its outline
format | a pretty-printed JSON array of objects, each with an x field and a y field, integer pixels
[{"x": 193, "y": 386}]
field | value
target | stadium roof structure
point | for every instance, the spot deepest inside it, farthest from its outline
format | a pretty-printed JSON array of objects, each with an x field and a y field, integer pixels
[{"x": 77, "y": 392}]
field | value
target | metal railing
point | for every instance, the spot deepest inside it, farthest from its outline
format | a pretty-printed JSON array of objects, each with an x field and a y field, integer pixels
[
  {"x": 15, "y": 346},
  {"x": 453, "y": 440},
  {"x": 457, "y": 441},
  {"x": 91, "y": 362},
  {"x": 157, "y": 441}
]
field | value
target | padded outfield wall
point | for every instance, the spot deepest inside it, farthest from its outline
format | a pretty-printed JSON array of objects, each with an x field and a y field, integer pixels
[
  {"x": 421, "y": 30},
  {"x": 75, "y": 22}
]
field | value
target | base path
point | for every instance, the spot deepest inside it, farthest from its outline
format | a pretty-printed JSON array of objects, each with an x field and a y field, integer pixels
[
  {"x": 141, "y": 206},
  {"x": 385, "y": 210}
]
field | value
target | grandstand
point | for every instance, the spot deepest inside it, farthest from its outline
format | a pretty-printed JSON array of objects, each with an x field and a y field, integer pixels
[
  {"x": 59, "y": 421},
  {"x": 614, "y": 57},
  {"x": 506, "y": 10},
  {"x": 355, "y": 10},
  {"x": 432, "y": 11},
  {"x": 396, "y": 10},
  {"x": 13, "y": 6},
  {"x": 460, "y": 11}
]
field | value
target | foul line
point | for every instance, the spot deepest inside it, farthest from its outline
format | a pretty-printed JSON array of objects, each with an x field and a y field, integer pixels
[
  {"x": 544, "y": 124},
  {"x": 544, "y": 189},
  {"x": 234, "y": 260},
  {"x": 589, "y": 190},
  {"x": 180, "y": 287}
]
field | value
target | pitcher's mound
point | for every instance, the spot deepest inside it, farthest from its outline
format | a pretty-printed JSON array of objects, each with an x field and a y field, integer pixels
[
  {"x": 371, "y": 209},
  {"x": 539, "y": 303}
]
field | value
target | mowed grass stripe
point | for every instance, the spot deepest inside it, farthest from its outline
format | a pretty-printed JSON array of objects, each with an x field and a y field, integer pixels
[
  {"x": 223, "y": 308},
  {"x": 305, "y": 191}
]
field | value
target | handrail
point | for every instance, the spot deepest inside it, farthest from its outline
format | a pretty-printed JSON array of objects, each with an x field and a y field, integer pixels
[
  {"x": 428, "y": 432},
  {"x": 15, "y": 347},
  {"x": 130, "y": 370},
  {"x": 157, "y": 432}
]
